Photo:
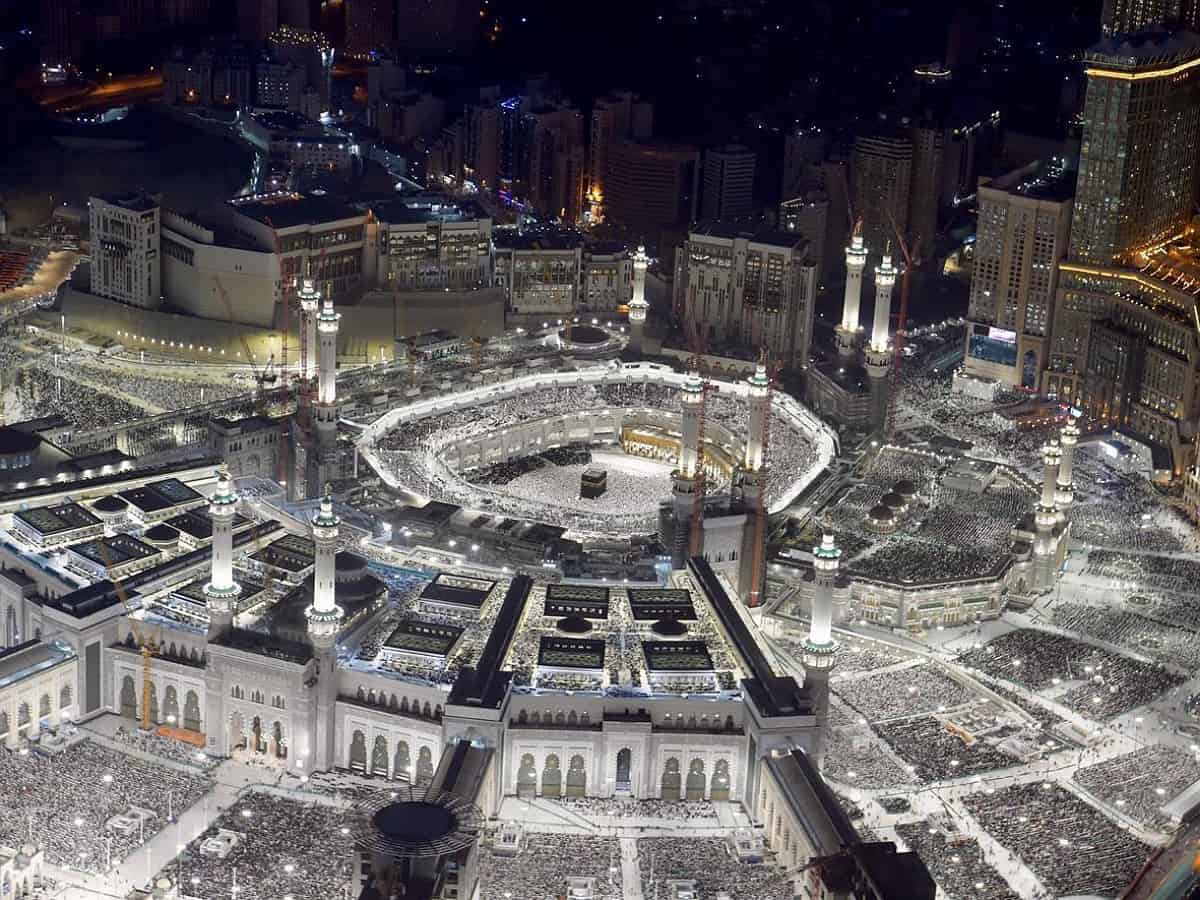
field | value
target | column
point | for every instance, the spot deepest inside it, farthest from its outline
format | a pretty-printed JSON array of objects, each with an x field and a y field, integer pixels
[
  {"x": 310, "y": 302},
  {"x": 820, "y": 648},
  {"x": 849, "y": 330},
  {"x": 638, "y": 305},
  {"x": 1065, "y": 484},
  {"x": 221, "y": 592},
  {"x": 324, "y": 623},
  {"x": 885, "y": 280}
]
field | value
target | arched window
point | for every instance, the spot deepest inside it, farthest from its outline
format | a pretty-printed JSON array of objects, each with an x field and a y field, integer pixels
[
  {"x": 526, "y": 777},
  {"x": 358, "y": 752},
  {"x": 191, "y": 711},
  {"x": 576, "y": 777},
  {"x": 64, "y": 697},
  {"x": 379, "y": 756},
  {"x": 402, "y": 765},
  {"x": 670, "y": 786},
  {"x": 424, "y": 765},
  {"x": 552, "y": 777},
  {"x": 44, "y": 706},
  {"x": 697, "y": 781}
]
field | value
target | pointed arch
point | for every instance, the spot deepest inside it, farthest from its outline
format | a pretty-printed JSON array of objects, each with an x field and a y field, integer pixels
[
  {"x": 379, "y": 756},
  {"x": 402, "y": 764},
  {"x": 424, "y": 765},
  {"x": 670, "y": 785},
  {"x": 358, "y": 752},
  {"x": 526, "y": 776},
  {"x": 697, "y": 780},
  {"x": 128, "y": 698},
  {"x": 191, "y": 711},
  {"x": 576, "y": 777},
  {"x": 552, "y": 777}
]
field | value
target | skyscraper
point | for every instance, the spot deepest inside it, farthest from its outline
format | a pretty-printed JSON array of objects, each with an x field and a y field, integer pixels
[
  {"x": 1137, "y": 165},
  {"x": 1024, "y": 220},
  {"x": 615, "y": 117},
  {"x": 370, "y": 24},
  {"x": 728, "y": 188},
  {"x": 1129, "y": 16},
  {"x": 651, "y": 185},
  {"x": 882, "y": 182}
]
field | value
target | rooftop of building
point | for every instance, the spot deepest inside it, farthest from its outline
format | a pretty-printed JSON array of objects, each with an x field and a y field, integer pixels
[
  {"x": 1151, "y": 48},
  {"x": 134, "y": 202},
  {"x": 289, "y": 209},
  {"x": 30, "y": 658},
  {"x": 1048, "y": 180},
  {"x": 542, "y": 238},
  {"x": 754, "y": 232},
  {"x": 419, "y": 209},
  {"x": 48, "y": 520}
]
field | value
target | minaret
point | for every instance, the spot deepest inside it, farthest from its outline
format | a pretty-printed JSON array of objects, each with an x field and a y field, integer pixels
[
  {"x": 221, "y": 592},
  {"x": 327, "y": 410},
  {"x": 310, "y": 303},
  {"x": 1046, "y": 519},
  {"x": 638, "y": 305},
  {"x": 849, "y": 331},
  {"x": 1065, "y": 494},
  {"x": 820, "y": 648},
  {"x": 685, "y": 478},
  {"x": 324, "y": 622},
  {"x": 878, "y": 356},
  {"x": 753, "y": 477}
]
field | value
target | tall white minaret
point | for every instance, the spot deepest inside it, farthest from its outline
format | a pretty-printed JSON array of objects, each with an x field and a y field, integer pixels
[
  {"x": 221, "y": 592},
  {"x": 820, "y": 649},
  {"x": 327, "y": 411},
  {"x": 885, "y": 280},
  {"x": 310, "y": 303},
  {"x": 753, "y": 482},
  {"x": 878, "y": 357},
  {"x": 849, "y": 330},
  {"x": 1064, "y": 494},
  {"x": 324, "y": 622},
  {"x": 638, "y": 305},
  {"x": 1046, "y": 519},
  {"x": 686, "y": 477}
]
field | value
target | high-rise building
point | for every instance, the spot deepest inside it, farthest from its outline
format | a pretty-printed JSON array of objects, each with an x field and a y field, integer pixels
[
  {"x": 555, "y": 175},
  {"x": 808, "y": 216},
  {"x": 615, "y": 117},
  {"x": 728, "y": 187},
  {"x": 803, "y": 148},
  {"x": 481, "y": 144},
  {"x": 256, "y": 19},
  {"x": 1024, "y": 222},
  {"x": 928, "y": 157},
  {"x": 432, "y": 242},
  {"x": 1137, "y": 165},
  {"x": 881, "y": 171},
  {"x": 124, "y": 235},
  {"x": 370, "y": 24},
  {"x": 539, "y": 271},
  {"x": 752, "y": 289},
  {"x": 1131, "y": 16},
  {"x": 437, "y": 24},
  {"x": 651, "y": 185},
  {"x": 1124, "y": 347},
  {"x": 62, "y": 32}
]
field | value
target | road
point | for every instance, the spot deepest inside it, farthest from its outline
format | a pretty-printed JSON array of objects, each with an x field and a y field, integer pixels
[{"x": 115, "y": 92}]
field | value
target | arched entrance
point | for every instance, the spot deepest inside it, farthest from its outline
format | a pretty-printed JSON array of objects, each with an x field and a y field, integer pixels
[
  {"x": 191, "y": 711},
  {"x": 552, "y": 777},
  {"x": 258, "y": 739},
  {"x": 624, "y": 769},
  {"x": 696, "y": 780},
  {"x": 171, "y": 705},
  {"x": 128, "y": 698},
  {"x": 278, "y": 745},
  {"x": 379, "y": 756},
  {"x": 237, "y": 732},
  {"x": 576, "y": 777},
  {"x": 720, "y": 782},
  {"x": 424, "y": 765},
  {"x": 402, "y": 764},
  {"x": 670, "y": 780},
  {"x": 527, "y": 777},
  {"x": 358, "y": 753},
  {"x": 64, "y": 697},
  {"x": 154, "y": 703}
]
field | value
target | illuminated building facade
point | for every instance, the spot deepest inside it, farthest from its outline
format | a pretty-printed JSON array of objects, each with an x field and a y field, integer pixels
[
  {"x": 1129, "y": 16},
  {"x": 1024, "y": 221}
]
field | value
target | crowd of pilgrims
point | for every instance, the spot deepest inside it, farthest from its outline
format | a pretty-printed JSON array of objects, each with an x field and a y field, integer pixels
[
  {"x": 68, "y": 797},
  {"x": 510, "y": 470},
  {"x": 165, "y": 747},
  {"x": 1071, "y": 847},
  {"x": 411, "y": 452},
  {"x": 962, "y": 868},
  {"x": 1140, "y": 783},
  {"x": 709, "y": 862},
  {"x": 1106, "y": 684},
  {"x": 1173, "y": 644},
  {"x": 544, "y": 864},
  {"x": 902, "y": 693},
  {"x": 91, "y": 393},
  {"x": 695, "y": 811},
  {"x": 274, "y": 833}
]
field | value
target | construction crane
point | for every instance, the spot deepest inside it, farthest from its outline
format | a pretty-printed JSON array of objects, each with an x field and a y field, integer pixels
[
  {"x": 148, "y": 646},
  {"x": 909, "y": 254}
]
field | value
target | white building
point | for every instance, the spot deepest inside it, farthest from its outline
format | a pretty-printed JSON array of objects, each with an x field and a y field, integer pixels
[
  {"x": 606, "y": 278},
  {"x": 1024, "y": 222},
  {"x": 728, "y": 182},
  {"x": 748, "y": 289},
  {"x": 124, "y": 243},
  {"x": 432, "y": 241},
  {"x": 539, "y": 271},
  {"x": 211, "y": 272},
  {"x": 293, "y": 139}
]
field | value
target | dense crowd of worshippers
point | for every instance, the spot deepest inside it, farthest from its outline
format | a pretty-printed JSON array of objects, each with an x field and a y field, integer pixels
[
  {"x": 283, "y": 846},
  {"x": 710, "y": 863},
  {"x": 70, "y": 799},
  {"x": 546, "y": 862},
  {"x": 413, "y": 452},
  {"x": 1140, "y": 783},
  {"x": 962, "y": 868},
  {"x": 1106, "y": 684},
  {"x": 1071, "y": 847}
]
